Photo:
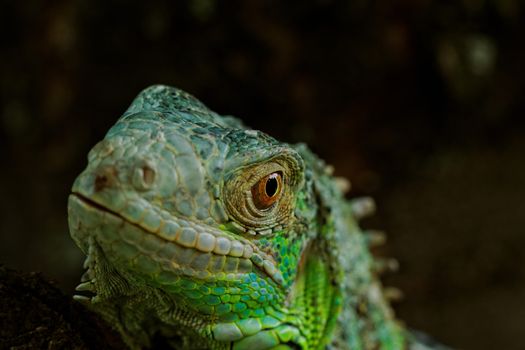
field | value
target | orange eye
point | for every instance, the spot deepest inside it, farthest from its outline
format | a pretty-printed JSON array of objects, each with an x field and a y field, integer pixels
[{"x": 268, "y": 190}]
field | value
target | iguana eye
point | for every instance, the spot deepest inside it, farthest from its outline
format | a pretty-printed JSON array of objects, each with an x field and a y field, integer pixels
[
  {"x": 262, "y": 196},
  {"x": 267, "y": 190}
]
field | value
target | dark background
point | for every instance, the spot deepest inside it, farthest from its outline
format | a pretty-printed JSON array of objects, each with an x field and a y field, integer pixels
[{"x": 419, "y": 103}]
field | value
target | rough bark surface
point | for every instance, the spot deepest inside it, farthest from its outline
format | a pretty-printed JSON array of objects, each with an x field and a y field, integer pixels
[{"x": 35, "y": 314}]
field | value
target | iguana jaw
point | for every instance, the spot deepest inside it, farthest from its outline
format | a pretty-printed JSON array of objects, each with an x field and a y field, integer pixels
[{"x": 176, "y": 245}]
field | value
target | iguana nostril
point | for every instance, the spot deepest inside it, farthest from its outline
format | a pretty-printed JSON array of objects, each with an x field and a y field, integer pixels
[
  {"x": 144, "y": 177},
  {"x": 101, "y": 182},
  {"x": 104, "y": 178}
]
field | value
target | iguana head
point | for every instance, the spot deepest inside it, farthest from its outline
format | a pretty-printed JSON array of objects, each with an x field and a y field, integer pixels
[{"x": 210, "y": 219}]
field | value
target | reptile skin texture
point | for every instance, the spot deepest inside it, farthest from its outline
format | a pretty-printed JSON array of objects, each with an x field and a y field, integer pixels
[{"x": 209, "y": 235}]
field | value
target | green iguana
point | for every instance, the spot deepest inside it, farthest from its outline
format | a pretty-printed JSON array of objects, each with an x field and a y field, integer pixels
[{"x": 211, "y": 235}]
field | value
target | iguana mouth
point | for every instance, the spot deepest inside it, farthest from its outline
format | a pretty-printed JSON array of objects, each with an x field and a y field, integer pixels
[
  {"x": 89, "y": 202},
  {"x": 195, "y": 249}
]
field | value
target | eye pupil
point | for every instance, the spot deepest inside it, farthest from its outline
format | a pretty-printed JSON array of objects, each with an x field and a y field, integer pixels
[
  {"x": 271, "y": 186},
  {"x": 268, "y": 190}
]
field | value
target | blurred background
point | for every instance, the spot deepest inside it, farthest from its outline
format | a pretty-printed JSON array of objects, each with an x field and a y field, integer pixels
[{"x": 420, "y": 103}]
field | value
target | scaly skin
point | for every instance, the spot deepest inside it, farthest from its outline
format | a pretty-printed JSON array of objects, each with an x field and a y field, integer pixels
[{"x": 179, "y": 246}]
